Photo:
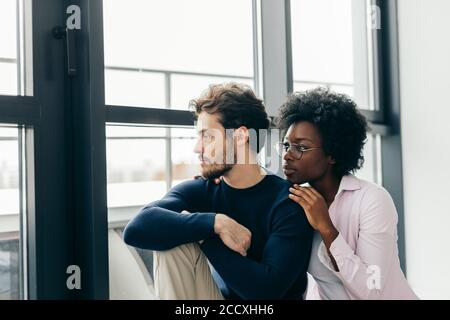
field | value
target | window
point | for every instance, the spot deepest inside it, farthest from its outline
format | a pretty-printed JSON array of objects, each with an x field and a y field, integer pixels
[
  {"x": 10, "y": 269},
  {"x": 371, "y": 169},
  {"x": 15, "y": 80},
  {"x": 184, "y": 164},
  {"x": 8, "y": 50},
  {"x": 162, "y": 54},
  {"x": 159, "y": 53},
  {"x": 136, "y": 163},
  {"x": 143, "y": 164},
  {"x": 15, "y": 52},
  {"x": 332, "y": 47}
]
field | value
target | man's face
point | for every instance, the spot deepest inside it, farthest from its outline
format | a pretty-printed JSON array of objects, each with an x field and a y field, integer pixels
[{"x": 211, "y": 146}]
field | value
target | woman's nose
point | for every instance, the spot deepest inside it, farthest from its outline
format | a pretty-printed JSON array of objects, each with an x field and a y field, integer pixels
[{"x": 288, "y": 156}]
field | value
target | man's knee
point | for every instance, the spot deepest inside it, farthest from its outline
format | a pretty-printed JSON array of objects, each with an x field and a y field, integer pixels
[{"x": 188, "y": 252}]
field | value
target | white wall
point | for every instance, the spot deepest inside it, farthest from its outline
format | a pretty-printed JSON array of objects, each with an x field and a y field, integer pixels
[{"x": 424, "y": 38}]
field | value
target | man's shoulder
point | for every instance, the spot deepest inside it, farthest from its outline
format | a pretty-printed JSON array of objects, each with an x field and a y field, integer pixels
[
  {"x": 280, "y": 186},
  {"x": 198, "y": 184},
  {"x": 283, "y": 205},
  {"x": 287, "y": 213},
  {"x": 189, "y": 186},
  {"x": 277, "y": 180}
]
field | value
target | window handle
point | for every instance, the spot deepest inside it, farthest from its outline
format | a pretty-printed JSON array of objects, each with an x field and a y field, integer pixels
[{"x": 69, "y": 35}]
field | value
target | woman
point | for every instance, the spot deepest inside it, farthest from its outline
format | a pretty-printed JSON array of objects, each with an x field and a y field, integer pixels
[{"x": 354, "y": 253}]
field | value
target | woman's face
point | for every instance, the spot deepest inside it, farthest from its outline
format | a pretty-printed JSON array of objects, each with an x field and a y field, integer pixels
[{"x": 313, "y": 164}]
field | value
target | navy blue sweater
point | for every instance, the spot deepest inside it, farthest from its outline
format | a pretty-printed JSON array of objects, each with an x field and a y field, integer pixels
[{"x": 277, "y": 260}]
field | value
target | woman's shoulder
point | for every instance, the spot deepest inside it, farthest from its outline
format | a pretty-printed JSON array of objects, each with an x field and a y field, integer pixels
[
  {"x": 362, "y": 187},
  {"x": 376, "y": 204},
  {"x": 371, "y": 192}
]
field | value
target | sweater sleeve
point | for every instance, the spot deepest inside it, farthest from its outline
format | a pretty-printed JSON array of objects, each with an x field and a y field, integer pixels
[
  {"x": 161, "y": 225},
  {"x": 285, "y": 257}
]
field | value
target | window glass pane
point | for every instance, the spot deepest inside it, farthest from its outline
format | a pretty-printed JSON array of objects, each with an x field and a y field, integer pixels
[
  {"x": 8, "y": 78},
  {"x": 322, "y": 40},
  {"x": 8, "y": 29},
  {"x": 179, "y": 38},
  {"x": 121, "y": 131},
  {"x": 331, "y": 46},
  {"x": 9, "y": 171},
  {"x": 136, "y": 163},
  {"x": 348, "y": 90},
  {"x": 9, "y": 268},
  {"x": 185, "y": 163},
  {"x": 8, "y": 49},
  {"x": 134, "y": 88},
  {"x": 185, "y": 88},
  {"x": 371, "y": 168},
  {"x": 9, "y": 215},
  {"x": 142, "y": 163},
  {"x": 302, "y": 86},
  {"x": 15, "y": 59}
]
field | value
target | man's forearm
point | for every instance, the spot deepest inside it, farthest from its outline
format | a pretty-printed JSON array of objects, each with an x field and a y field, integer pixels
[
  {"x": 248, "y": 278},
  {"x": 234, "y": 235},
  {"x": 157, "y": 228}
]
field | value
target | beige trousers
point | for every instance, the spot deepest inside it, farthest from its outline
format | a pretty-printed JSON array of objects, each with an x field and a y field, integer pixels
[{"x": 182, "y": 273}]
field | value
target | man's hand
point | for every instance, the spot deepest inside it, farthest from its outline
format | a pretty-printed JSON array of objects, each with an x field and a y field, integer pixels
[{"x": 234, "y": 235}]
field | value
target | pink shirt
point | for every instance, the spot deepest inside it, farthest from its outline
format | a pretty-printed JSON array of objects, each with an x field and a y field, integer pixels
[{"x": 365, "y": 251}]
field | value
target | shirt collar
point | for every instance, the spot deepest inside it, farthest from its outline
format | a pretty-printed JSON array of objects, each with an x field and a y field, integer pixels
[{"x": 349, "y": 183}]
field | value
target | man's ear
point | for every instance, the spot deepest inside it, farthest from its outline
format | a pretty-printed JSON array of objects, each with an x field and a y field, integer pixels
[{"x": 241, "y": 135}]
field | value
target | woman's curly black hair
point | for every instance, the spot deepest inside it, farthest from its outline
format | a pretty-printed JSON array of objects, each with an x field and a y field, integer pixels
[{"x": 341, "y": 126}]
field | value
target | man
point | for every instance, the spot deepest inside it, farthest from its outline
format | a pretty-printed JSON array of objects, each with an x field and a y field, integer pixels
[{"x": 256, "y": 240}]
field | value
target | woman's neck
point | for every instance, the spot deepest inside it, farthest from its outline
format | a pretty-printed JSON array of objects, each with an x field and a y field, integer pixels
[{"x": 327, "y": 186}]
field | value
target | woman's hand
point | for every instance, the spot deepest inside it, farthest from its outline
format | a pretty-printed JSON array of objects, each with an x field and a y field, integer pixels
[
  {"x": 316, "y": 211},
  {"x": 314, "y": 205},
  {"x": 216, "y": 180}
]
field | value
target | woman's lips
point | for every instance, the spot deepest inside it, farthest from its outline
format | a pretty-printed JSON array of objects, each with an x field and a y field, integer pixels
[{"x": 288, "y": 171}]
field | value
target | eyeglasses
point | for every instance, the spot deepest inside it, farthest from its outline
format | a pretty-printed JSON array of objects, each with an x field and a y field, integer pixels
[{"x": 296, "y": 149}]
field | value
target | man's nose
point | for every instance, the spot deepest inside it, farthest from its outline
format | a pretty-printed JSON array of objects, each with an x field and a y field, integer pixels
[{"x": 198, "y": 148}]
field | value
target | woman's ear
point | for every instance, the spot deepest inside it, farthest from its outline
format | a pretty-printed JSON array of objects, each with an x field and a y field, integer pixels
[{"x": 331, "y": 160}]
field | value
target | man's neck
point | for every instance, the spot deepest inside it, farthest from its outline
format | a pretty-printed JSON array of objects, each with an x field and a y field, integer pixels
[{"x": 243, "y": 176}]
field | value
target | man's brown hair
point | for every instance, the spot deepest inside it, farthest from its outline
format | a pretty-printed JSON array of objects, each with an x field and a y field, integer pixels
[{"x": 236, "y": 105}]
